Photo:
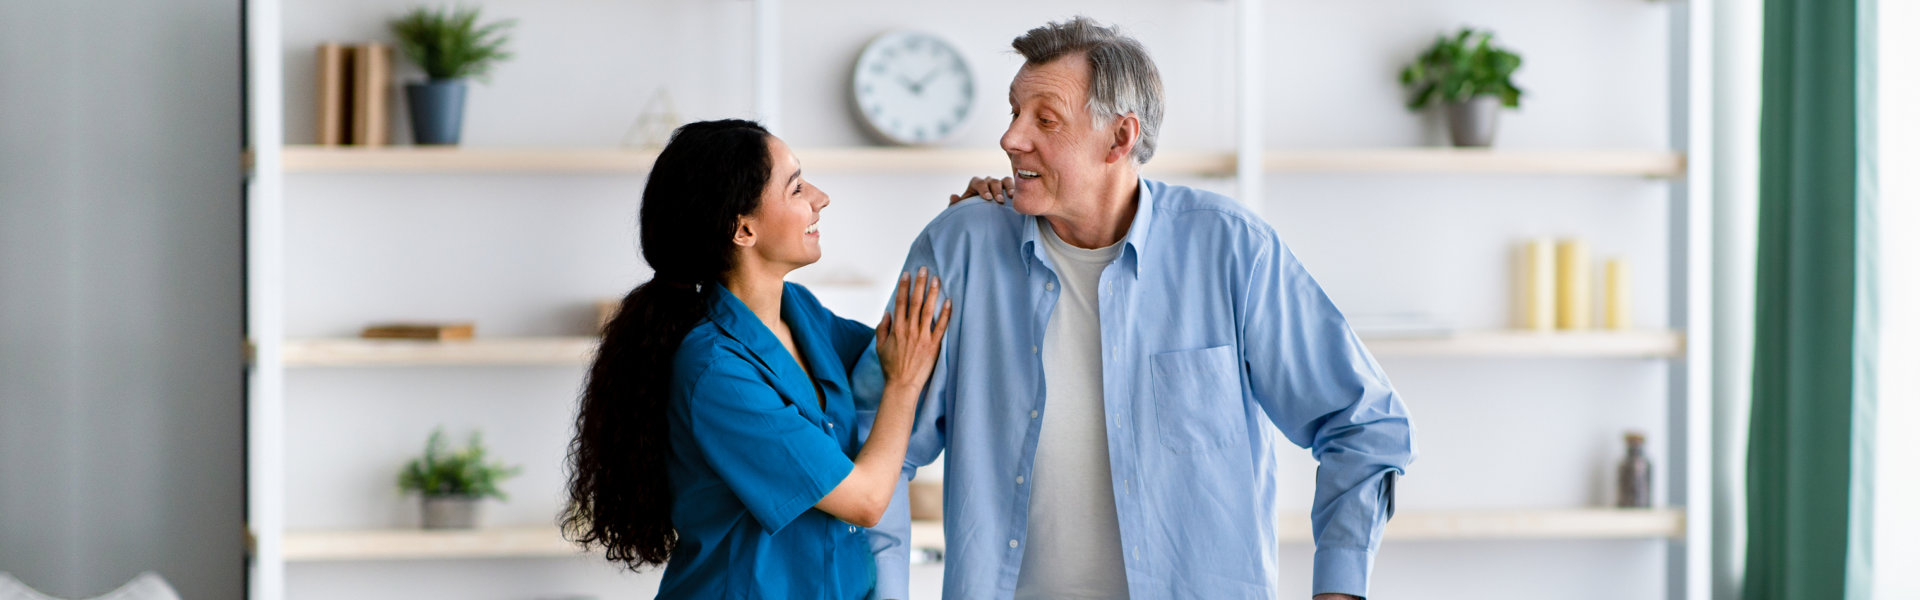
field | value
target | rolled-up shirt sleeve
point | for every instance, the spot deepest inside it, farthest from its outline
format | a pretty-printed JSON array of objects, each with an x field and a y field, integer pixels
[
  {"x": 1316, "y": 381},
  {"x": 772, "y": 458}
]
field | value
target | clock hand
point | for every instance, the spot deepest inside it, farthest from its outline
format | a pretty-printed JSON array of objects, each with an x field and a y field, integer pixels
[{"x": 912, "y": 85}]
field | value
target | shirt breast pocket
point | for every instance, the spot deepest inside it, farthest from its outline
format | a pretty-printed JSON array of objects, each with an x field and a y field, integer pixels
[{"x": 1196, "y": 394}]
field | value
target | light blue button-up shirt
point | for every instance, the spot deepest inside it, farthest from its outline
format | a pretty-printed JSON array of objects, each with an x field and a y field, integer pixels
[{"x": 1215, "y": 338}]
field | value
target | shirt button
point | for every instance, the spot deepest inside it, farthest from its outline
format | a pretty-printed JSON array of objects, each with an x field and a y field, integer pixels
[
  {"x": 1033, "y": 414},
  {"x": 1013, "y": 543},
  {"x": 1049, "y": 286},
  {"x": 1136, "y": 552},
  {"x": 829, "y": 425},
  {"x": 1036, "y": 349},
  {"x": 1019, "y": 479},
  {"x": 850, "y": 529}
]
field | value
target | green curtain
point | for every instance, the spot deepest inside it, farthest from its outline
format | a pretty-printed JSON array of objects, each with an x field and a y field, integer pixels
[{"x": 1809, "y": 453}]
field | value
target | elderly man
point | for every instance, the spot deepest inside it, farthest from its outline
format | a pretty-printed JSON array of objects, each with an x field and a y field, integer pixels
[{"x": 1117, "y": 349}]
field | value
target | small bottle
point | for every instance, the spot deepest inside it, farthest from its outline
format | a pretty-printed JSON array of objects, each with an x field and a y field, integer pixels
[{"x": 1636, "y": 474}]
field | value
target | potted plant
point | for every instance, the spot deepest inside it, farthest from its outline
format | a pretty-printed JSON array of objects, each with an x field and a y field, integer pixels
[
  {"x": 452, "y": 484},
  {"x": 450, "y": 45},
  {"x": 1471, "y": 76}
]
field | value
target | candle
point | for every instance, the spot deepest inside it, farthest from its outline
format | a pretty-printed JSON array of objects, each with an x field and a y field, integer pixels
[
  {"x": 1576, "y": 286},
  {"x": 1619, "y": 309},
  {"x": 1536, "y": 285}
]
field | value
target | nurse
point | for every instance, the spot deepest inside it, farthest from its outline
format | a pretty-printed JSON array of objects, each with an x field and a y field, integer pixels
[{"x": 716, "y": 432}]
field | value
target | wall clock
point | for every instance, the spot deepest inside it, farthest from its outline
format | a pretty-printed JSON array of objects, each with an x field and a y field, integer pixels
[{"x": 912, "y": 88}]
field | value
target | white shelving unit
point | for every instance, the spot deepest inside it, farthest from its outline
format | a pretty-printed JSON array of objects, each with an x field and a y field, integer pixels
[{"x": 1685, "y": 523}]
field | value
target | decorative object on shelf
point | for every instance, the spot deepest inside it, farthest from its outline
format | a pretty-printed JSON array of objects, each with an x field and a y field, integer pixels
[
  {"x": 451, "y": 485},
  {"x": 1538, "y": 281},
  {"x": 1469, "y": 75},
  {"x": 1636, "y": 474},
  {"x": 440, "y": 332},
  {"x": 331, "y": 100},
  {"x": 1575, "y": 291},
  {"x": 450, "y": 45},
  {"x": 603, "y": 311},
  {"x": 912, "y": 88},
  {"x": 372, "y": 69},
  {"x": 350, "y": 93},
  {"x": 655, "y": 124},
  {"x": 1619, "y": 308},
  {"x": 925, "y": 501}
]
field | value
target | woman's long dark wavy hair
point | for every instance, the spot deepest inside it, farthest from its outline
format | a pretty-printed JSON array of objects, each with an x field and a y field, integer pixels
[{"x": 710, "y": 174}]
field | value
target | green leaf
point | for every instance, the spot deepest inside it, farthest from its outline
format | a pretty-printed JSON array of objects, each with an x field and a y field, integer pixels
[
  {"x": 449, "y": 43},
  {"x": 1460, "y": 67},
  {"x": 464, "y": 472},
  {"x": 1422, "y": 97}
]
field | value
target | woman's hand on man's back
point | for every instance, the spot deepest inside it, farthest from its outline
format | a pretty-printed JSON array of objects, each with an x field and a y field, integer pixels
[{"x": 908, "y": 339}]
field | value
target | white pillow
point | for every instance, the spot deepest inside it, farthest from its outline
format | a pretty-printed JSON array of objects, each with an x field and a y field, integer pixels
[{"x": 147, "y": 586}]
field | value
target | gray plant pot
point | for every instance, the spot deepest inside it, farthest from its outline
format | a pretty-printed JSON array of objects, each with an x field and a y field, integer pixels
[
  {"x": 436, "y": 108},
  {"x": 449, "y": 512},
  {"x": 1471, "y": 124}
]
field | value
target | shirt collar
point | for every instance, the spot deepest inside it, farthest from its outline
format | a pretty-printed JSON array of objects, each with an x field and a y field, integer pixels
[
  {"x": 1135, "y": 240},
  {"x": 740, "y": 323}
]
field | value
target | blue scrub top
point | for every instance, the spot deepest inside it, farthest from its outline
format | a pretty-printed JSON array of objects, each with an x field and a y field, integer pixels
[{"x": 753, "y": 450}]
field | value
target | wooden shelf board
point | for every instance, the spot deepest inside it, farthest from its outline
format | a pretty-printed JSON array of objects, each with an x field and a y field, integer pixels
[
  {"x": 1479, "y": 160},
  {"x": 534, "y": 541},
  {"x": 1533, "y": 524},
  {"x": 476, "y": 352},
  {"x": 983, "y": 162},
  {"x": 415, "y": 159},
  {"x": 1531, "y": 344},
  {"x": 1480, "y": 525},
  {"x": 420, "y": 159},
  {"x": 350, "y": 352},
  {"x": 416, "y": 544}
]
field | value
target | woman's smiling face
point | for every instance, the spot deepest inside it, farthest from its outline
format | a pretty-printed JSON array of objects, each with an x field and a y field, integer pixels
[{"x": 785, "y": 228}]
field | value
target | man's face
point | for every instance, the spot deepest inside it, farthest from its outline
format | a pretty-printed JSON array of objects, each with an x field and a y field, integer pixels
[{"x": 1056, "y": 149}]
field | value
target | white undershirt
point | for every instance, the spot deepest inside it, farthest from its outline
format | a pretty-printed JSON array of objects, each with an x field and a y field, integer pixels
[{"x": 1073, "y": 531}]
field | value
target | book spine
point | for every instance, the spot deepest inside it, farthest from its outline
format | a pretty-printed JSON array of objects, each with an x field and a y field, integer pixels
[
  {"x": 330, "y": 95},
  {"x": 373, "y": 67}
]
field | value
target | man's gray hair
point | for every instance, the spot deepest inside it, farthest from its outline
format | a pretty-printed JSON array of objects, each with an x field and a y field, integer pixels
[{"x": 1124, "y": 79}]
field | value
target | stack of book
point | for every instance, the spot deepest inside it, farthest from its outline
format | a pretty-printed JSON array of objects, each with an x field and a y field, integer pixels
[{"x": 352, "y": 94}]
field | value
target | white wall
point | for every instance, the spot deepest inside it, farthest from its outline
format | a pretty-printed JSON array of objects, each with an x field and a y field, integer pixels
[
  {"x": 527, "y": 255},
  {"x": 1896, "y": 527}
]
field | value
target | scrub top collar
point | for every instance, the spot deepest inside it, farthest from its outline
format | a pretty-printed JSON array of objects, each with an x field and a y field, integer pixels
[{"x": 740, "y": 323}]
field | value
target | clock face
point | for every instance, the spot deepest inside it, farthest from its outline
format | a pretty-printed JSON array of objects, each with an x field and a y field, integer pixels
[{"x": 912, "y": 88}]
